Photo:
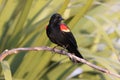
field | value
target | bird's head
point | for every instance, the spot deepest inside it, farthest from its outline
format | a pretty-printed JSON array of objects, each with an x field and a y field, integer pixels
[{"x": 56, "y": 18}]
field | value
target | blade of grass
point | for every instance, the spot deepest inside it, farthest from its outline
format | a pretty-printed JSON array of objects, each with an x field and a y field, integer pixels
[
  {"x": 103, "y": 33},
  {"x": 6, "y": 70},
  {"x": 63, "y": 8},
  {"x": 81, "y": 13},
  {"x": 16, "y": 36}
]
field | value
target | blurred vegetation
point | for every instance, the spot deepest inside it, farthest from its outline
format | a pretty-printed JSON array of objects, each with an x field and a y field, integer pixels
[{"x": 94, "y": 23}]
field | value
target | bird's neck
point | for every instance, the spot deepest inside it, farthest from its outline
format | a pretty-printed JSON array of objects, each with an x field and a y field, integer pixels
[{"x": 55, "y": 24}]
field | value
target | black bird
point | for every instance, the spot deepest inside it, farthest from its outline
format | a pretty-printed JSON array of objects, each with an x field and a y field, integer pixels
[{"x": 61, "y": 35}]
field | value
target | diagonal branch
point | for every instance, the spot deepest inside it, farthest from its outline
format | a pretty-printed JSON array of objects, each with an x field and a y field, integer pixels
[{"x": 17, "y": 50}]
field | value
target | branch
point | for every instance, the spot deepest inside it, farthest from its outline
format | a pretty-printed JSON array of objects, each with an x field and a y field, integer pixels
[{"x": 17, "y": 50}]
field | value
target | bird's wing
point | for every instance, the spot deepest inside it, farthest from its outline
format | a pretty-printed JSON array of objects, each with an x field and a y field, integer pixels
[{"x": 68, "y": 35}]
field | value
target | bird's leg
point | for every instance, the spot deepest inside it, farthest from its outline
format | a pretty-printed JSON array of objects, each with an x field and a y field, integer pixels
[
  {"x": 64, "y": 47},
  {"x": 72, "y": 59},
  {"x": 53, "y": 49}
]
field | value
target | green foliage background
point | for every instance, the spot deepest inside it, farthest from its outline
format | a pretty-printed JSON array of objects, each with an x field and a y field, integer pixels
[{"x": 94, "y": 23}]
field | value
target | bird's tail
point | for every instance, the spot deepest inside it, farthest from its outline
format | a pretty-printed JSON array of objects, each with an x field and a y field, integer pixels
[{"x": 76, "y": 53}]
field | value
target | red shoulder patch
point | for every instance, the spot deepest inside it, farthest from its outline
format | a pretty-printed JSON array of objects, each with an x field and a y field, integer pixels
[
  {"x": 64, "y": 28},
  {"x": 46, "y": 27}
]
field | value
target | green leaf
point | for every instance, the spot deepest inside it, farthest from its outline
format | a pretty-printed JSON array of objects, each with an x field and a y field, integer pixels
[
  {"x": 6, "y": 70},
  {"x": 81, "y": 13}
]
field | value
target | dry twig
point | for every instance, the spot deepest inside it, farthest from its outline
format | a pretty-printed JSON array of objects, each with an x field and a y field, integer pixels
[{"x": 17, "y": 50}]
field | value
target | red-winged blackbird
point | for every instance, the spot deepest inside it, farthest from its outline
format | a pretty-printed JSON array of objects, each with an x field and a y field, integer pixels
[{"x": 61, "y": 35}]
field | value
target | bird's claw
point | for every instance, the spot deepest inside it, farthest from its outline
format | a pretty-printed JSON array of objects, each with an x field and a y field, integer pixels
[
  {"x": 53, "y": 49},
  {"x": 72, "y": 59}
]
